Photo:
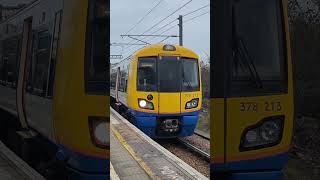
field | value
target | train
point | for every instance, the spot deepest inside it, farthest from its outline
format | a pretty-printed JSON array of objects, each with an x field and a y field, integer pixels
[
  {"x": 252, "y": 107},
  {"x": 158, "y": 89},
  {"x": 54, "y": 84}
]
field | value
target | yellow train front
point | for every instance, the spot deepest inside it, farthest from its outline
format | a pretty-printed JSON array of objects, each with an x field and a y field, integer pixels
[
  {"x": 252, "y": 93},
  {"x": 159, "y": 90}
]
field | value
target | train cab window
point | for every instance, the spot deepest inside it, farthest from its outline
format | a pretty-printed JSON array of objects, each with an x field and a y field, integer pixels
[
  {"x": 169, "y": 74},
  {"x": 258, "y": 63},
  {"x": 146, "y": 80},
  {"x": 190, "y": 75},
  {"x": 42, "y": 64},
  {"x": 97, "y": 48}
]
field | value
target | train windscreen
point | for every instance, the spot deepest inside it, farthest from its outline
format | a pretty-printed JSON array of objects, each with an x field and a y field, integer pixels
[
  {"x": 190, "y": 75},
  {"x": 146, "y": 80},
  {"x": 258, "y": 48},
  {"x": 168, "y": 74},
  {"x": 97, "y": 62}
]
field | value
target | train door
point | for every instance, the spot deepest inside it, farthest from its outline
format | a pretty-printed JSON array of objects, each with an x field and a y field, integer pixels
[
  {"x": 169, "y": 82},
  {"x": 25, "y": 55},
  {"x": 252, "y": 110},
  {"x": 117, "y": 84}
]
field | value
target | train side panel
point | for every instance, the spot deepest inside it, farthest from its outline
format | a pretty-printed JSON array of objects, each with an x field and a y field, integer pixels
[
  {"x": 73, "y": 107},
  {"x": 37, "y": 88}
]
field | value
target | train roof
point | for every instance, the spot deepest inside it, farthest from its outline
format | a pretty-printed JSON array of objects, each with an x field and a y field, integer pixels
[{"x": 156, "y": 49}]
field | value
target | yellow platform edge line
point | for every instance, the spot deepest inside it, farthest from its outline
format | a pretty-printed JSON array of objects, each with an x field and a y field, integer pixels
[
  {"x": 113, "y": 173},
  {"x": 143, "y": 165}
]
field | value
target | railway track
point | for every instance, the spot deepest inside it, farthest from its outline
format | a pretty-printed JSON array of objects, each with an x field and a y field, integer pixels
[
  {"x": 189, "y": 153},
  {"x": 201, "y": 134},
  {"x": 195, "y": 149}
]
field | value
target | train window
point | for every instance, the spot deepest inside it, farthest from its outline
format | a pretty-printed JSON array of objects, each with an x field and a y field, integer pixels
[
  {"x": 54, "y": 52},
  {"x": 258, "y": 53},
  {"x": 113, "y": 80},
  {"x": 146, "y": 80},
  {"x": 169, "y": 69},
  {"x": 126, "y": 86},
  {"x": 30, "y": 66},
  {"x": 123, "y": 76},
  {"x": 10, "y": 61},
  {"x": 190, "y": 75},
  {"x": 97, "y": 48},
  {"x": 42, "y": 64},
  {"x": 43, "y": 43},
  {"x": 1, "y": 70}
]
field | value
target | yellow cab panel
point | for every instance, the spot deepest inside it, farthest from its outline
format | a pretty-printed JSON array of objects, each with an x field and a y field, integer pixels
[{"x": 134, "y": 95}]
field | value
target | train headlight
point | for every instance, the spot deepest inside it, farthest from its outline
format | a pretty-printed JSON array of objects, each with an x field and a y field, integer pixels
[
  {"x": 192, "y": 104},
  {"x": 251, "y": 136},
  {"x": 169, "y": 47},
  {"x": 100, "y": 131},
  {"x": 266, "y": 133},
  {"x": 270, "y": 131},
  {"x": 144, "y": 104}
]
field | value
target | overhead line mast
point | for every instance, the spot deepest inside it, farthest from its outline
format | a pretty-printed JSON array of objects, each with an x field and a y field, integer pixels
[{"x": 180, "y": 31}]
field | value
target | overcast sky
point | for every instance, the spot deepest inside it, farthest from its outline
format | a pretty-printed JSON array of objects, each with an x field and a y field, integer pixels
[{"x": 126, "y": 13}]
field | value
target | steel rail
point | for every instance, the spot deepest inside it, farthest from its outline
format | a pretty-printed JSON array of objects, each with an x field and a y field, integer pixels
[{"x": 195, "y": 149}]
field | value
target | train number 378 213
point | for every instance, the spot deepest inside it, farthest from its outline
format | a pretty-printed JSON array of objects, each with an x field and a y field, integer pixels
[{"x": 255, "y": 107}]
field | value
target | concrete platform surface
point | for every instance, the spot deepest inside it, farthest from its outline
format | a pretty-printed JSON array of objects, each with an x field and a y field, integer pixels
[{"x": 124, "y": 165}]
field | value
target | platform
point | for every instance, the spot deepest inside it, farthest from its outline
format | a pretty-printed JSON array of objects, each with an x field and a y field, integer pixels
[
  {"x": 123, "y": 164},
  {"x": 13, "y": 168},
  {"x": 136, "y": 156}
]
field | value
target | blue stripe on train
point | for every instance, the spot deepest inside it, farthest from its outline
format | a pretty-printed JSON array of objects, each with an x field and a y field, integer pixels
[
  {"x": 147, "y": 122},
  {"x": 263, "y": 168},
  {"x": 84, "y": 167}
]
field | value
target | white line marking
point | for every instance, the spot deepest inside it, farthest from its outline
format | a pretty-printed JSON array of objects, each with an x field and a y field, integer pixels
[{"x": 113, "y": 174}]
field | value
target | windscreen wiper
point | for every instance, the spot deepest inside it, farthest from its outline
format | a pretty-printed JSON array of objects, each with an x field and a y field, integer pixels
[
  {"x": 242, "y": 56},
  {"x": 184, "y": 80},
  {"x": 188, "y": 84}
]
